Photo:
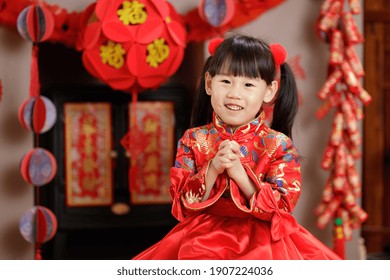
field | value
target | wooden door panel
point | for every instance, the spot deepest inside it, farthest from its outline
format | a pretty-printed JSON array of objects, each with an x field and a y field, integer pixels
[{"x": 376, "y": 126}]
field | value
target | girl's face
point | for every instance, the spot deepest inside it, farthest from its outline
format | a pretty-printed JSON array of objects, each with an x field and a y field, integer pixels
[{"x": 236, "y": 99}]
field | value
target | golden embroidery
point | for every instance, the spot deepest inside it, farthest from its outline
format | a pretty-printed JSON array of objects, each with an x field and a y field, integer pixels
[
  {"x": 206, "y": 142},
  {"x": 191, "y": 197}
]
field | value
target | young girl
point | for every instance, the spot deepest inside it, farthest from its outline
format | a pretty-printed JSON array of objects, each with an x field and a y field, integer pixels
[{"x": 236, "y": 181}]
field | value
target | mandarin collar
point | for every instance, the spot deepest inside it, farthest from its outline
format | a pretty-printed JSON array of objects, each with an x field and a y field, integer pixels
[{"x": 242, "y": 132}]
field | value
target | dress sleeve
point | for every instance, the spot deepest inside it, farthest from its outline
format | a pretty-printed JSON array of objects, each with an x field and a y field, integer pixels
[
  {"x": 187, "y": 179},
  {"x": 278, "y": 192}
]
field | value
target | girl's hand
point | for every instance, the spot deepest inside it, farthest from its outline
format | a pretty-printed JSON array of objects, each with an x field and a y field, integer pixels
[
  {"x": 236, "y": 170},
  {"x": 227, "y": 156}
]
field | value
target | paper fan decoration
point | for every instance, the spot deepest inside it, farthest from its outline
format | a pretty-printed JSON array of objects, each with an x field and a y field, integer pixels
[
  {"x": 37, "y": 114},
  {"x": 216, "y": 12},
  {"x": 38, "y": 225},
  {"x": 132, "y": 44},
  {"x": 38, "y": 167}
]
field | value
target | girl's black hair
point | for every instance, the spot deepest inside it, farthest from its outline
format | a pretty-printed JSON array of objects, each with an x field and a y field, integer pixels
[{"x": 242, "y": 55}]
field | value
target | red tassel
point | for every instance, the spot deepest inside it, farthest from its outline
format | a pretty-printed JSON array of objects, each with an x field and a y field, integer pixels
[
  {"x": 34, "y": 80},
  {"x": 134, "y": 173},
  {"x": 339, "y": 247},
  {"x": 339, "y": 238},
  {"x": 38, "y": 255}
]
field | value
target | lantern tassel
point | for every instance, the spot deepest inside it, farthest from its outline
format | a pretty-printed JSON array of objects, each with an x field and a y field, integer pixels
[
  {"x": 34, "y": 80},
  {"x": 38, "y": 252}
]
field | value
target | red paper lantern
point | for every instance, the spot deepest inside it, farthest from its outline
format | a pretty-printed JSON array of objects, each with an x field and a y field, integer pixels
[
  {"x": 37, "y": 114},
  {"x": 132, "y": 44},
  {"x": 216, "y": 12},
  {"x": 38, "y": 167},
  {"x": 35, "y": 23},
  {"x": 38, "y": 225}
]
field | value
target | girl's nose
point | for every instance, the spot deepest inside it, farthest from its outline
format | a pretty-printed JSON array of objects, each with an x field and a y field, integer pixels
[{"x": 234, "y": 92}]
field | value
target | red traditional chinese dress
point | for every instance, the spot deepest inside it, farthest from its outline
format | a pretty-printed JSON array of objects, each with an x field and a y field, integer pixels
[{"x": 227, "y": 225}]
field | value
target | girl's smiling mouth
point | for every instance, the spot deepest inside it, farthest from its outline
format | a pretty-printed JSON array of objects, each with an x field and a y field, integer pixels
[{"x": 233, "y": 107}]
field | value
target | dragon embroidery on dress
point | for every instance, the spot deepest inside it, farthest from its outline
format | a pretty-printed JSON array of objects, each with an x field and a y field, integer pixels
[
  {"x": 268, "y": 145},
  {"x": 205, "y": 140},
  {"x": 276, "y": 177},
  {"x": 191, "y": 198},
  {"x": 188, "y": 164}
]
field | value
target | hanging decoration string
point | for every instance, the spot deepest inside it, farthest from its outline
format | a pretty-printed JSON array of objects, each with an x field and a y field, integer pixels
[{"x": 343, "y": 93}]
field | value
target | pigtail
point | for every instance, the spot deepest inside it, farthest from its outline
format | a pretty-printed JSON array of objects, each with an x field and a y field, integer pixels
[
  {"x": 202, "y": 111},
  {"x": 286, "y": 103}
]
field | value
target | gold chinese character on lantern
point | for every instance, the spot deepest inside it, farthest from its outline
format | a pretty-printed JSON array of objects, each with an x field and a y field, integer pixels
[
  {"x": 132, "y": 13},
  {"x": 112, "y": 54},
  {"x": 158, "y": 51}
]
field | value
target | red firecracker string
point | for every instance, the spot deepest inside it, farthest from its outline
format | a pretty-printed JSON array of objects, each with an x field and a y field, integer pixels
[{"x": 343, "y": 92}]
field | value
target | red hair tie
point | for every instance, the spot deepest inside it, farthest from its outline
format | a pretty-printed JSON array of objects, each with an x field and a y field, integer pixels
[
  {"x": 213, "y": 45},
  {"x": 279, "y": 53}
]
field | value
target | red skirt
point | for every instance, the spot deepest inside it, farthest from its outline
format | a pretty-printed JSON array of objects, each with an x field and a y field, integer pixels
[{"x": 224, "y": 232}]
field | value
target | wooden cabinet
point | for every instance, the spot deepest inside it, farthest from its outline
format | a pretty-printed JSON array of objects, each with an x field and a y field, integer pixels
[{"x": 376, "y": 147}]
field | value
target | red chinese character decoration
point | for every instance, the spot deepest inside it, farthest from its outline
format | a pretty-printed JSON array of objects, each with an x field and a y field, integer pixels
[{"x": 343, "y": 92}]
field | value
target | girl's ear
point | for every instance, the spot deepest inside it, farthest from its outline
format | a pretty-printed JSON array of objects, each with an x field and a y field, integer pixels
[
  {"x": 207, "y": 83},
  {"x": 270, "y": 92}
]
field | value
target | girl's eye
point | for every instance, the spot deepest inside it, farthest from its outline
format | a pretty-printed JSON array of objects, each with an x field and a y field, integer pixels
[
  {"x": 226, "y": 81},
  {"x": 249, "y": 85}
]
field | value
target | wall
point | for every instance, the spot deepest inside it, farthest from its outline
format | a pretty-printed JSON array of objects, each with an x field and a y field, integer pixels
[
  {"x": 291, "y": 23},
  {"x": 16, "y": 196}
]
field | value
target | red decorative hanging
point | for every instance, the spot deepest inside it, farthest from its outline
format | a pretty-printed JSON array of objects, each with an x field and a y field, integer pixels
[
  {"x": 38, "y": 225},
  {"x": 38, "y": 114},
  {"x": 244, "y": 12},
  {"x": 69, "y": 25},
  {"x": 343, "y": 92},
  {"x": 38, "y": 167},
  {"x": 35, "y": 23},
  {"x": 216, "y": 13},
  {"x": 135, "y": 44}
]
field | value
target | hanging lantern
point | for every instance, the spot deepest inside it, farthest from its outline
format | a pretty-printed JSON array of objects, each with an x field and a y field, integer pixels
[
  {"x": 35, "y": 23},
  {"x": 38, "y": 167},
  {"x": 38, "y": 225},
  {"x": 37, "y": 114},
  {"x": 137, "y": 44},
  {"x": 216, "y": 12}
]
